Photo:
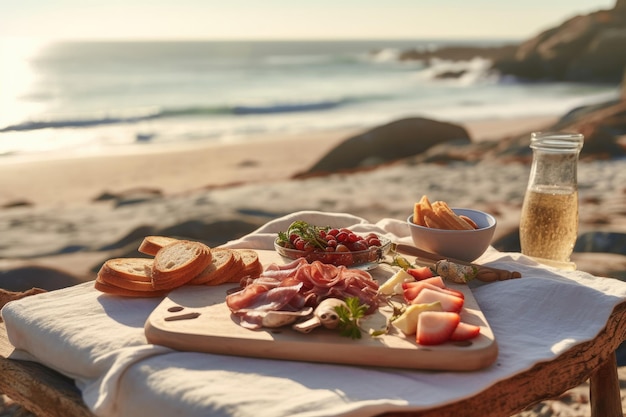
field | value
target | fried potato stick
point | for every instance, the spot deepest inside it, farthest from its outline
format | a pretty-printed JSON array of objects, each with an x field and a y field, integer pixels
[{"x": 449, "y": 218}]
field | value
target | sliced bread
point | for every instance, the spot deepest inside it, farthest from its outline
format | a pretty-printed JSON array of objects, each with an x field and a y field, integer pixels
[
  {"x": 230, "y": 265},
  {"x": 252, "y": 265},
  {"x": 233, "y": 272},
  {"x": 223, "y": 259},
  {"x": 133, "y": 269},
  {"x": 178, "y": 263},
  {"x": 152, "y": 244},
  {"x": 105, "y": 287}
]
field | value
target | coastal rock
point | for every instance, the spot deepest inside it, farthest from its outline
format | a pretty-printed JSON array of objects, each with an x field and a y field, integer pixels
[
  {"x": 131, "y": 239},
  {"x": 458, "y": 53},
  {"x": 131, "y": 196},
  {"x": 6, "y": 296},
  {"x": 28, "y": 277},
  {"x": 396, "y": 140},
  {"x": 213, "y": 233},
  {"x": 17, "y": 203},
  {"x": 603, "y": 125},
  {"x": 605, "y": 242},
  {"x": 586, "y": 48}
]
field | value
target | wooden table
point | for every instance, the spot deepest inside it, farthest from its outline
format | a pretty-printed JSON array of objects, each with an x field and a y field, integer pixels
[{"x": 48, "y": 393}]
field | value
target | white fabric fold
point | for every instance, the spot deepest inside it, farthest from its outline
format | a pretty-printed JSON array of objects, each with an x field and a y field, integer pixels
[{"x": 99, "y": 341}]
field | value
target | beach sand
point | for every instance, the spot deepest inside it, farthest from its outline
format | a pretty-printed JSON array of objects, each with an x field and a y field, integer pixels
[
  {"x": 51, "y": 217},
  {"x": 66, "y": 180},
  {"x": 86, "y": 203}
]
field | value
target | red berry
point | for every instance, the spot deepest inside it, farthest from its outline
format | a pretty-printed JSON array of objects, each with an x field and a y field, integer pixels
[
  {"x": 333, "y": 232},
  {"x": 358, "y": 246},
  {"x": 352, "y": 238},
  {"x": 342, "y": 237}
]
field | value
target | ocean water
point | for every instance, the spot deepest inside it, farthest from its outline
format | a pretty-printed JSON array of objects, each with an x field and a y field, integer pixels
[{"x": 93, "y": 97}]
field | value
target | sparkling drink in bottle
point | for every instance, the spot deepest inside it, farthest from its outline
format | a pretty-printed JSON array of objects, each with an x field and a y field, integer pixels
[{"x": 549, "y": 221}]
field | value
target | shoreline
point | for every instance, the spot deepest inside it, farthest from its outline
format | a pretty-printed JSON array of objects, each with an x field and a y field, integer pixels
[{"x": 180, "y": 168}]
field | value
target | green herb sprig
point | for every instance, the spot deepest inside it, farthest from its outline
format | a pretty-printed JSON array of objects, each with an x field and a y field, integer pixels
[
  {"x": 349, "y": 316},
  {"x": 308, "y": 232}
]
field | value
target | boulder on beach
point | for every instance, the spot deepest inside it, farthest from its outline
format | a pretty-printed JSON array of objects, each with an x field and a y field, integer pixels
[
  {"x": 27, "y": 277},
  {"x": 387, "y": 143},
  {"x": 603, "y": 125},
  {"x": 6, "y": 296}
]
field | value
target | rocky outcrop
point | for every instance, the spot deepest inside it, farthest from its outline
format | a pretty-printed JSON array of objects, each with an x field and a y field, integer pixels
[
  {"x": 589, "y": 48},
  {"x": 397, "y": 140},
  {"x": 603, "y": 125},
  {"x": 420, "y": 140},
  {"x": 458, "y": 53},
  {"x": 6, "y": 296},
  {"x": 44, "y": 278},
  {"x": 586, "y": 48}
]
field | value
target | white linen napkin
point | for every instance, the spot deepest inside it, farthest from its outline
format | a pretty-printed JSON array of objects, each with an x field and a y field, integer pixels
[{"x": 99, "y": 341}]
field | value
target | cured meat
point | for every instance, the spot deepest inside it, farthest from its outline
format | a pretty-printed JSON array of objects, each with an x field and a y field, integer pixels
[{"x": 299, "y": 284}]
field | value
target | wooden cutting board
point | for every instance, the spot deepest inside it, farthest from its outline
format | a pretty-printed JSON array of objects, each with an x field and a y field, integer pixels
[{"x": 196, "y": 318}]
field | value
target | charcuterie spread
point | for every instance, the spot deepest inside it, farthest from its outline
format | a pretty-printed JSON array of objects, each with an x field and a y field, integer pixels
[
  {"x": 398, "y": 314},
  {"x": 338, "y": 297}
]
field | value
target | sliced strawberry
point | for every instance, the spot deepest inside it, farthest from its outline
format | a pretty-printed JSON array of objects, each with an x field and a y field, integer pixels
[
  {"x": 449, "y": 302},
  {"x": 465, "y": 331},
  {"x": 426, "y": 284},
  {"x": 421, "y": 272},
  {"x": 437, "y": 281},
  {"x": 436, "y": 327},
  {"x": 410, "y": 290}
]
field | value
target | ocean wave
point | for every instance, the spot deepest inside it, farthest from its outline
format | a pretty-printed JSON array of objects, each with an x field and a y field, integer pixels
[
  {"x": 476, "y": 70},
  {"x": 192, "y": 111}
]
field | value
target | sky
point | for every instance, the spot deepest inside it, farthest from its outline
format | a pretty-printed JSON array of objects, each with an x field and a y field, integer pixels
[{"x": 286, "y": 19}]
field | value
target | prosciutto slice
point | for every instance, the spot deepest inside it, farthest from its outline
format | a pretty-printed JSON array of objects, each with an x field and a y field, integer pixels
[{"x": 297, "y": 285}]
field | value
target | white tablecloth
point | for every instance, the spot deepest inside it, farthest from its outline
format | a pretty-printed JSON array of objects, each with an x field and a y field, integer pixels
[{"x": 98, "y": 340}]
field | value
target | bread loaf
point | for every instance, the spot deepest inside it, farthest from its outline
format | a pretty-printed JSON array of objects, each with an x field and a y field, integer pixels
[{"x": 178, "y": 263}]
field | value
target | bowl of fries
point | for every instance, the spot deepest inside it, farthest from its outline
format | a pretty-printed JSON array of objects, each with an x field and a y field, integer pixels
[{"x": 456, "y": 233}]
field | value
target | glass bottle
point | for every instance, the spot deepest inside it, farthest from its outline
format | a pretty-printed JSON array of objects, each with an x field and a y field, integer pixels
[{"x": 549, "y": 221}]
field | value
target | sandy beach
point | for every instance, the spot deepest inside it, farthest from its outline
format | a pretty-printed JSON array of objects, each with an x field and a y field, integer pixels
[
  {"x": 182, "y": 168},
  {"x": 74, "y": 207},
  {"x": 57, "y": 214}
]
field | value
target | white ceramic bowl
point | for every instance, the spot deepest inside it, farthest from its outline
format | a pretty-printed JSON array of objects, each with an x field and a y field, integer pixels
[{"x": 465, "y": 245}]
